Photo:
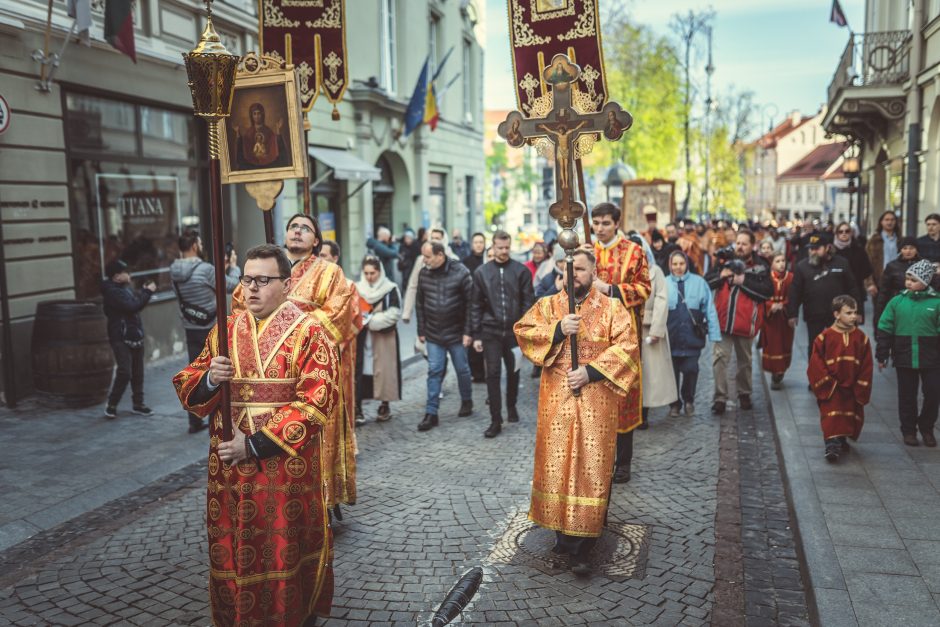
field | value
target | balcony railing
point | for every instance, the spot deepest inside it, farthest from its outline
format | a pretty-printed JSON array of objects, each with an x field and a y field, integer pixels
[{"x": 871, "y": 59}]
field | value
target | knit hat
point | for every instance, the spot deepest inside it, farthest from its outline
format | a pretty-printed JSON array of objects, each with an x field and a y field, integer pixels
[
  {"x": 923, "y": 271},
  {"x": 907, "y": 241},
  {"x": 114, "y": 267}
]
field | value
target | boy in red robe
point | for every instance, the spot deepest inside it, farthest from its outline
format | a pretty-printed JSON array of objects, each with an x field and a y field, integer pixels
[
  {"x": 776, "y": 339},
  {"x": 840, "y": 371}
]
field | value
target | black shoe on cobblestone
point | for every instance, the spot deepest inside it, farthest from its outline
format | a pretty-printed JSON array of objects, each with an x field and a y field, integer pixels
[
  {"x": 929, "y": 439},
  {"x": 512, "y": 415},
  {"x": 143, "y": 410},
  {"x": 110, "y": 411},
  {"x": 494, "y": 430},
  {"x": 622, "y": 474},
  {"x": 581, "y": 566},
  {"x": 833, "y": 448},
  {"x": 744, "y": 402},
  {"x": 430, "y": 420},
  {"x": 718, "y": 407},
  {"x": 911, "y": 439},
  {"x": 196, "y": 425},
  {"x": 466, "y": 409}
]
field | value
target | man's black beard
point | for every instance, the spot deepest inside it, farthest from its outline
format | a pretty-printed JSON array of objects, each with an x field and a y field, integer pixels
[
  {"x": 580, "y": 291},
  {"x": 298, "y": 251}
]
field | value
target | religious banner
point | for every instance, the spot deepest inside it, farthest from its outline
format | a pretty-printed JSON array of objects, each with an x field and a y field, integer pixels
[
  {"x": 311, "y": 35},
  {"x": 644, "y": 196},
  {"x": 540, "y": 29}
]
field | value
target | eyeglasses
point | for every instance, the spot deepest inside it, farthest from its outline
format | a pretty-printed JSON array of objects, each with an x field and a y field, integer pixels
[
  {"x": 843, "y": 231},
  {"x": 303, "y": 228},
  {"x": 261, "y": 280}
]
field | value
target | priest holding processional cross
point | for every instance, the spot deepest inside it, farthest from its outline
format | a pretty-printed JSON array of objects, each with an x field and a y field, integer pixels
[{"x": 585, "y": 340}]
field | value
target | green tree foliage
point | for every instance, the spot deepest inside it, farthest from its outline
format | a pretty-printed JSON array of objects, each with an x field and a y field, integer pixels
[{"x": 644, "y": 76}]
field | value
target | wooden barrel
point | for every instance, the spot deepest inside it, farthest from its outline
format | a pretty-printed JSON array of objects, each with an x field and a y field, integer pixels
[{"x": 72, "y": 358}]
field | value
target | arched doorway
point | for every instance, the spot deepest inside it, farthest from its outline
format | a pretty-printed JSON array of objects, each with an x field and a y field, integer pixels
[{"x": 391, "y": 194}]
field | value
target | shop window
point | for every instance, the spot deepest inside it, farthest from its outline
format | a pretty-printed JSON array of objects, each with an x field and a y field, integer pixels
[
  {"x": 437, "y": 199},
  {"x": 134, "y": 182}
]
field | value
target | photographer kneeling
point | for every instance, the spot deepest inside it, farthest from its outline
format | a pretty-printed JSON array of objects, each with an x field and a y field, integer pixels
[{"x": 741, "y": 280}]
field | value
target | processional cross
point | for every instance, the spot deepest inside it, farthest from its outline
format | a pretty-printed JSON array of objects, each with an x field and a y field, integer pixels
[{"x": 563, "y": 126}]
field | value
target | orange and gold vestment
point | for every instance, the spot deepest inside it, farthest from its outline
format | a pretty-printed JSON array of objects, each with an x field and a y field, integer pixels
[
  {"x": 321, "y": 289},
  {"x": 576, "y": 437},
  {"x": 840, "y": 371},
  {"x": 624, "y": 265},
  {"x": 270, "y": 545}
]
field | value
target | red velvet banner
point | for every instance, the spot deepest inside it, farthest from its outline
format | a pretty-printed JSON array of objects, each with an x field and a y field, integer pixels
[
  {"x": 540, "y": 29},
  {"x": 315, "y": 32}
]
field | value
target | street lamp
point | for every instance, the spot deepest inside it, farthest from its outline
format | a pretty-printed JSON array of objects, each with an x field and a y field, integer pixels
[
  {"x": 211, "y": 71},
  {"x": 850, "y": 168}
]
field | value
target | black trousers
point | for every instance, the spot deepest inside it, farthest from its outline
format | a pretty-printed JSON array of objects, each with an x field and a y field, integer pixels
[
  {"x": 624, "y": 449},
  {"x": 908, "y": 381},
  {"x": 495, "y": 354},
  {"x": 130, "y": 368},
  {"x": 195, "y": 342},
  {"x": 814, "y": 328},
  {"x": 687, "y": 366},
  {"x": 574, "y": 545}
]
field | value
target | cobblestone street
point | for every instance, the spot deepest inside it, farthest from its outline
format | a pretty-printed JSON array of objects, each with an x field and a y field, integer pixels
[{"x": 433, "y": 505}]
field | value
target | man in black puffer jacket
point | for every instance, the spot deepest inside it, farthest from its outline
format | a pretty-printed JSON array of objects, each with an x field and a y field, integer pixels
[
  {"x": 816, "y": 281},
  {"x": 122, "y": 307},
  {"x": 443, "y": 307},
  {"x": 502, "y": 293}
]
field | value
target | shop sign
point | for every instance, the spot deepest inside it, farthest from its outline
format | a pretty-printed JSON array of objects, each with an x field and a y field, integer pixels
[{"x": 138, "y": 221}]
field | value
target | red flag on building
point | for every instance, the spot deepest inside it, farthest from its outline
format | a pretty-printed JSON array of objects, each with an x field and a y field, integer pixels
[
  {"x": 540, "y": 30},
  {"x": 316, "y": 35},
  {"x": 836, "y": 16},
  {"x": 119, "y": 26}
]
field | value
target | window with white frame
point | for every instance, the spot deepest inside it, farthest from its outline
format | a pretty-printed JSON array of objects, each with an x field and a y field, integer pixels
[
  {"x": 389, "y": 47},
  {"x": 467, "y": 81}
]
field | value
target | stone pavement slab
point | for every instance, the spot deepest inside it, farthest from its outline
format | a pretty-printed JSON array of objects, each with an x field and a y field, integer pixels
[
  {"x": 869, "y": 523},
  {"x": 431, "y": 506}
]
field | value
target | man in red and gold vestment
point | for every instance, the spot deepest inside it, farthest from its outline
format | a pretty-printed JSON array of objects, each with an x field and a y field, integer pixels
[
  {"x": 622, "y": 273},
  {"x": 840, "y": 372},
  {"x": 576, "y": 436},
  {"x": 321, "y": 289},
  {"x": 270, "y": 543}
]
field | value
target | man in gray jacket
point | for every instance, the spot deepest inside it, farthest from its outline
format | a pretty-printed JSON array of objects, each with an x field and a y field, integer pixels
[{"x": 194, "y": 282}]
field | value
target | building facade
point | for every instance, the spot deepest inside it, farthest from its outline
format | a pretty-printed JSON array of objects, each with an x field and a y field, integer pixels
[
  {"x": 811, "y": 188},
  {"x": 106, "y": 159},
  {"x": 885, "y": 98}
]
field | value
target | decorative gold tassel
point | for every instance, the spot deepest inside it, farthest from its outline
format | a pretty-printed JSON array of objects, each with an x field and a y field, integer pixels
[{"x": 335, "y": 114}]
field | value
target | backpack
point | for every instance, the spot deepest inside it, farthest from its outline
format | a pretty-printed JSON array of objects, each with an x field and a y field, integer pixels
[{"x": 193, "y": 314}]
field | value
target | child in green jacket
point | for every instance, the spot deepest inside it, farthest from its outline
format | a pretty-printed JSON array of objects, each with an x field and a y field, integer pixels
[{"x": 909, "y": 331}]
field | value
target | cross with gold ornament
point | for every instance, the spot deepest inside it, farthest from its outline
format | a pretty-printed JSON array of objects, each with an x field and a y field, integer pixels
[{"x": 562, "y": 126}]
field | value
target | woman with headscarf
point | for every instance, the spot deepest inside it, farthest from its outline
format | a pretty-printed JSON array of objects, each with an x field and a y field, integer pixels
[
  {"x": 659, "y": 386},
  {"x": 378, "y": 367},
  {"x": 692, "y": 321}
]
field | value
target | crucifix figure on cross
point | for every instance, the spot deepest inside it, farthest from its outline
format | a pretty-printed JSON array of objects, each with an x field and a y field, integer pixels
[{"x": 563, "y": 126}]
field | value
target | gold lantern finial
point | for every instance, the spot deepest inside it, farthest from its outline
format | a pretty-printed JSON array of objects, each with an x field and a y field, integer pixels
[{"x": 211, "y": 71}]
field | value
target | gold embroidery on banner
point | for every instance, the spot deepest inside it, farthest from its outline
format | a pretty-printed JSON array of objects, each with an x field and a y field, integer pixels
[
  {"x": 333, "y": 63},
  {"x": 274, "y": 17},
  {"x": 329, "y": 19},
  {"x": 522, "y": 33},
  {"x": 302, "y": 3},
  {"x": 585, "y": 26},
  {"x": 589, "y": 75},
  {"x": 305, "y": 72},
  {"x": 528, "y": 84},
  {"x": 550, "y": 9}
]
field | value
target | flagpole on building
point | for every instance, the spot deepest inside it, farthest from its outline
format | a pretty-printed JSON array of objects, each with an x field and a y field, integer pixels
[{"x": 211, "y": 71}]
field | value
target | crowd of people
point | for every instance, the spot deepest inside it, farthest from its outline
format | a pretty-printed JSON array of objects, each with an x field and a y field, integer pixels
[{"x": 307, "y": 347}]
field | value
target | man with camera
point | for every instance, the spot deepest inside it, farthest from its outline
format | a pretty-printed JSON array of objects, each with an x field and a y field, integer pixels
[
  {"x": 741, "y": 280},
  {"x": 194, "y": 283}
]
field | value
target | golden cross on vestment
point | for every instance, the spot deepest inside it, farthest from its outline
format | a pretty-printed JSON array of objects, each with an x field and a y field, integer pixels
[{"x": 563, "y": 126}]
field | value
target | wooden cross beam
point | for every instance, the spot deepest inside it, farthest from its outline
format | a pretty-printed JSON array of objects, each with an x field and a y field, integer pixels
[{"x": 562, "y": 127}]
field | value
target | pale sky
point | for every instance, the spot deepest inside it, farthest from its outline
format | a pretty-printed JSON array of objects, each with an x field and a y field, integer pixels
[{"x": 785, "y": 51}]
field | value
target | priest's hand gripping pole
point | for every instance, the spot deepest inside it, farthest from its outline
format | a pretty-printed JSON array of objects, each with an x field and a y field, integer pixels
[
  {"x": 211, "y": 72},
  {"x": 563, "y": 126}
]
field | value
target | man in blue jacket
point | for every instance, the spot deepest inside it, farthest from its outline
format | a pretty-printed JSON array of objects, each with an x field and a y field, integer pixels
[{"x": 122, "y": 306}]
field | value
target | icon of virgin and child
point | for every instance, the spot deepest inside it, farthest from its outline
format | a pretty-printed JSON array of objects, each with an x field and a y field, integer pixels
[{"x": 257, "y": 146}]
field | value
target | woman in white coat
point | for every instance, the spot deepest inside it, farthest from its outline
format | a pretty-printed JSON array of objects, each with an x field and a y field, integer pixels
[{"x": 659, "y": 384}]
